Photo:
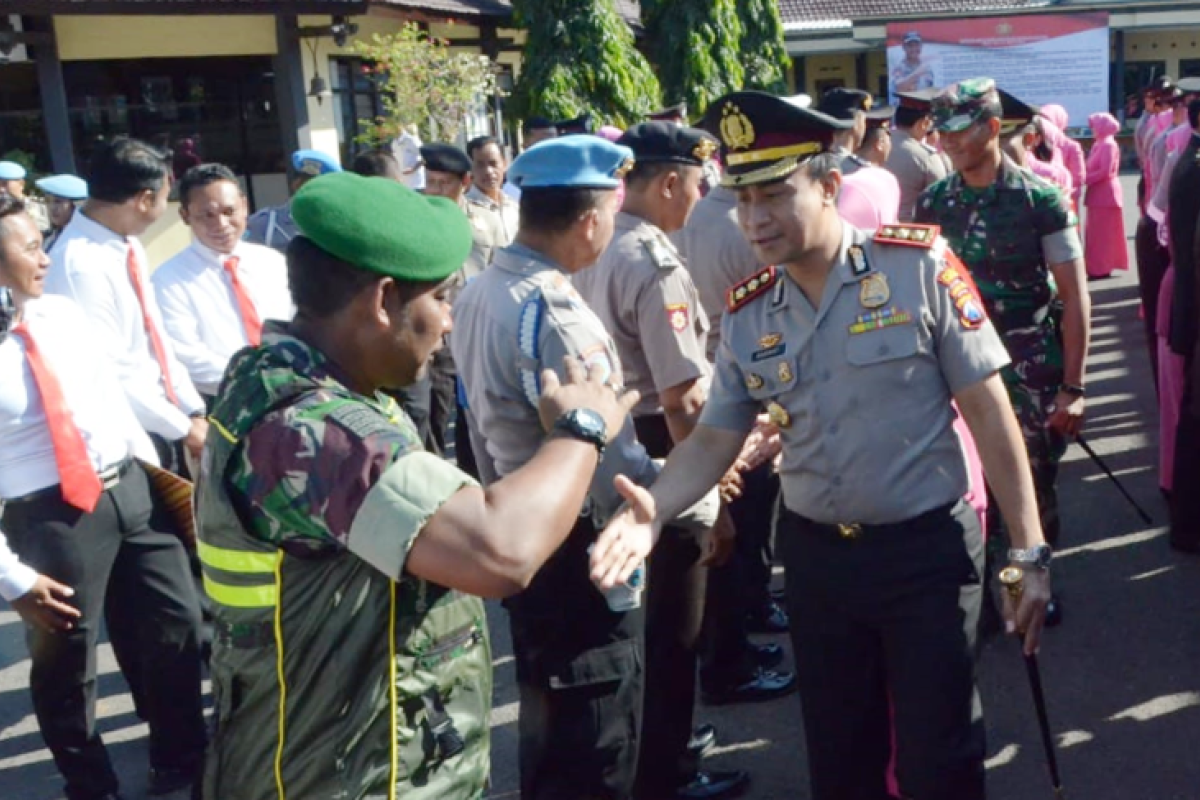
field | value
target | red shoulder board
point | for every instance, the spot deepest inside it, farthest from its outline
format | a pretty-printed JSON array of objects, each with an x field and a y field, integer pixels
[
  {"x": 742, "y": 293},
  {"x": 908, "y": 235}
]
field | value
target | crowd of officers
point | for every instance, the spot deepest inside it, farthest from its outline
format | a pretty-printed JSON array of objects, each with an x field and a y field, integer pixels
[{"x": 660, "y": 358}]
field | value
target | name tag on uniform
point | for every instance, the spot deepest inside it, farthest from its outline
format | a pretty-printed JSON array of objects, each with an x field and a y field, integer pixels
[{"x": 877, "y": 320}]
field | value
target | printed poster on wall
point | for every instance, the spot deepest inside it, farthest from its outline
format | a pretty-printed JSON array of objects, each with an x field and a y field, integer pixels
[{"x": 1053, "y": 58}]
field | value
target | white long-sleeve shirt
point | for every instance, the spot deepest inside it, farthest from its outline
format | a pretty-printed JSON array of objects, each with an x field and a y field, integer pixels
[
  {"x": 90, "y": 266},
  {"x": 111, "y": 433},
  {"x": 16, "y": 579},
  {"x": 201, "y": 313}
]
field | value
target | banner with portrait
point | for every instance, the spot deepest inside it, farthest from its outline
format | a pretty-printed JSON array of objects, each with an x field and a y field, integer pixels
[{"x": 1051, "y": 58}]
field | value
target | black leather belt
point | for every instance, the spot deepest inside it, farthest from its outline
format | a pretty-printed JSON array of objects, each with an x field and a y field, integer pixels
[
  {"x": 109, "y": 479},
  {"x": 856, "y": 530}
]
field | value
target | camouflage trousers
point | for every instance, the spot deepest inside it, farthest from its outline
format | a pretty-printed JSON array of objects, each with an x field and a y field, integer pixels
[{"x": 1032, "y": 385}]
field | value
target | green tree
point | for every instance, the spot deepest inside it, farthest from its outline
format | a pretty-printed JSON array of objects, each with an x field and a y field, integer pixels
[
  {"x": 580, "y": 57},
  {"x": 424, "y": 85},
  {"x": 763, "y": 53},
  {"x": 694, "y": 45}
]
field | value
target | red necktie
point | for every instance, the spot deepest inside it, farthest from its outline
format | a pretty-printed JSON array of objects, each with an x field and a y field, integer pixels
[
  {"x": 156, "y": 342},
  {"x": 246, "y": 307},
  {"x": 80, "y": 484}
]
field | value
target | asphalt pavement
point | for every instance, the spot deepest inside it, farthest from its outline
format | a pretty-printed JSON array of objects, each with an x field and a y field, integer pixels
[{"x": 1121, "y": 674}]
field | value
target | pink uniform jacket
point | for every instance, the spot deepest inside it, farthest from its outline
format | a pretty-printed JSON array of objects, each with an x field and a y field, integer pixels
[{"x": 1104, "y": 164}]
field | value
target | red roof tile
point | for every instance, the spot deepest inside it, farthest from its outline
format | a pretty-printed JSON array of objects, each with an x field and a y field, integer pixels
[{"x": 825, "y": 10}]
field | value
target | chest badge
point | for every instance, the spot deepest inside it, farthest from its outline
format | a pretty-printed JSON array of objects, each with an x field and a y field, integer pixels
[
  {"x": 785, "y": 373},
  {"x": 770, "y": 340},
  {"x": 873, "y": 291},
  {"x": 858, "y": 260},
  {"x": 779, "y": 416},
  {"x": 753, "y": 381}
]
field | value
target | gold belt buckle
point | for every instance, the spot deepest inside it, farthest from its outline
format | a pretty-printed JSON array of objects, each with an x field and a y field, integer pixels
[{"x": 849, "y": 530}]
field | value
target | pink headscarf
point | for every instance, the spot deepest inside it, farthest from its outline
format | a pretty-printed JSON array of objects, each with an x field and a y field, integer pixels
[
  {"x": 1056, "y": 114},
  {"x": 1104, "y": 125},
  {"x": 610, "y": 133}
]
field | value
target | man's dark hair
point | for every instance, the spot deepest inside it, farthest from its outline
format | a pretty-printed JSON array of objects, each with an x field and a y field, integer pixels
[
  {"x": 122, "y": 168},
  {"x": 872, "y": 136},
  {"x": 322, "y": 284},
  {"x": 203, "y": 175},
  {"x": 644, "y": 172},
  {"x": 536, "y": 124},
  {"x": 556, "y": 209},
  {"x": 907, "y": 117},
  {"x": 376, "y": 164},
  {"x": 480, "y": 142},
  {"x": 822, "y": 164},
  {"x": 1194, "y": 114}
]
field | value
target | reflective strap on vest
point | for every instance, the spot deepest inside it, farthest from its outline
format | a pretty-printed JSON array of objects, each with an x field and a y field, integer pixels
[
  {"x": 528, "y": 332},
  {"x": 240, "y": 562}
]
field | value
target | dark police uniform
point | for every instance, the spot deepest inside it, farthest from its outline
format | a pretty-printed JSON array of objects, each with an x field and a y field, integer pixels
[{"x": 883, "y": 558}]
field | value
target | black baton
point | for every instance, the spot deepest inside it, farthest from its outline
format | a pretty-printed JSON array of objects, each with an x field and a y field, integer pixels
[{"x": 1087, "y": 448}]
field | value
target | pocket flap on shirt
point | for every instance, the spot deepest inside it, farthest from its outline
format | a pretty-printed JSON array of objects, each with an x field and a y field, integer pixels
[
  {"x": 884, "y": 344},
  {"x": 608, "y": 664}
]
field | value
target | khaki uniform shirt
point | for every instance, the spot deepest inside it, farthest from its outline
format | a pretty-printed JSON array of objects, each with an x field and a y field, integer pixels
[
  {"x": 860, "y": 385},
  {"x": 916, "y": 167},
  {"x": 717, "y": 255},
  {"x": 646, "y": 300},
  {"x": 517, "y": 318},
  {"x": 508, "y": 210},
  {"x": 487, "y": 232}
]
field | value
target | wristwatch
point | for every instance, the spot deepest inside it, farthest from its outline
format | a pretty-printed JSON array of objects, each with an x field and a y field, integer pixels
[
  {"x": 1072, "y": 389},
  {"x": 1038, "y": 556},
  {"x": 585, "y": 425}
]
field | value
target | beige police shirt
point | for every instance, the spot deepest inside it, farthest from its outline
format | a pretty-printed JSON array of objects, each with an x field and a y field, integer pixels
[
  {"x": 488, "y": 236},
  {"x": 864, "y": 381},
  {"x": 508, "y": 211},
  {"x": 647, "y": 302},
  {"x": 717, "y": 256},
  {"x": 916, "y": 167},
  {"x": 526, "y": 297}
]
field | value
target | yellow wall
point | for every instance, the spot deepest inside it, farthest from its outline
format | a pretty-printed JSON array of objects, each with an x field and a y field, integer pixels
[
  {"x": 1169, "y": 46},
  {"x": 828, "y": 67},
  {"x": 116, "y": 37}
]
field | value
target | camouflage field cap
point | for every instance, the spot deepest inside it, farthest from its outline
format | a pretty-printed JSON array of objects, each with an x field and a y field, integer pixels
[{"x": 960, "y": 105}]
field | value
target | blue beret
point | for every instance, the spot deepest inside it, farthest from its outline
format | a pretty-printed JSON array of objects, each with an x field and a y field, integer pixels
[
  {"x": 579, "y": 161},
  {"x": 68, "y": 187},
  {"x": 314, "y": 162},
  {"x": 11, "y": 171},
  {"x": 382, "y": 226}
]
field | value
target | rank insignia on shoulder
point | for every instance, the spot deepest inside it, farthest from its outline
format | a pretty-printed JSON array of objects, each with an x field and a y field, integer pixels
[
  {"x": 661, "y": 254},
  {"x": 742, "y": 293},
  {"x": 908, "y": 235}
]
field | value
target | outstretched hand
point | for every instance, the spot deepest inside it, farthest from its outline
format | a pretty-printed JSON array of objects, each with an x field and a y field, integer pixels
[{"x": 627, "y": 540}]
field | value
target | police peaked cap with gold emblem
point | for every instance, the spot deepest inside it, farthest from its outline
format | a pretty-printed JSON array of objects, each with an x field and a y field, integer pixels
[
  {"x": 1016, "y": 113},
  {"x": 766, "y": 138},
  {"x": 917, "y": 100},
  {"x": 842, "y": 103},
  {"x": 666, "y": 142}
]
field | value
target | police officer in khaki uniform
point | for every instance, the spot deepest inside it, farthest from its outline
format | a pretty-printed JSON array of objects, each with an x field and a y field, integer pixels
[
  {"x": 644, "y": 296},
  {"x": 448, "y": 174},
  {"x": 579, "y": 658},
  {"x": 916, "y": 165},
  {"x": 849, "y": 105},
  {"x": 855, "y": 347}
]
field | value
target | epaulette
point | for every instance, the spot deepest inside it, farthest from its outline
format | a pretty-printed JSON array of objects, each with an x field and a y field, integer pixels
[
  {"x": 742, "y": 293},
  {"x": 908, "y": 235}
]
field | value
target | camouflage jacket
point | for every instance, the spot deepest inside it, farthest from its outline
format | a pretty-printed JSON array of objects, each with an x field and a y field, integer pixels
[
  {"x": 336, "y": 673},
  {"x": 1008, "y": 234}
]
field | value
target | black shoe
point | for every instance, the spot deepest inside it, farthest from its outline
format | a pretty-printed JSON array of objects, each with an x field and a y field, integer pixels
[
  {"x": 768, "y": 655},
  {"x": 779, "y": 595},
  {"x": 704, "y": 738},
  {"x": 770, "y": 618},
  {"x": 713, "y": 785},
  {"x": 1054, "y": 612},
  {"x": 763, "y": 685},
  {"x": 164, "y": 780}
]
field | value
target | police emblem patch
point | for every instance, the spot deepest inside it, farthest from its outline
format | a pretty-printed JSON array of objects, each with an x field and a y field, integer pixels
[
  {"x": 873, "y": 291},
  {"x": 963, "y": 292},
  {"x": 677, "y": 313},
  {"x": 753, "y": 381}
]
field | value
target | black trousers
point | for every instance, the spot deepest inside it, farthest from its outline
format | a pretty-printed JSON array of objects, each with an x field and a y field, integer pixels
[
  {"x": 674, "y": 614},
  {"x": 1152, "y": 262},
  {"x": 891, "y": 612},
  {"x": 580, "y": 676},
  {"x": 442, "y": 399},
  {"x": 1185, "y": 500},
  {"x": 122, "y": 555},
  {"x": 741, "y": 584}
]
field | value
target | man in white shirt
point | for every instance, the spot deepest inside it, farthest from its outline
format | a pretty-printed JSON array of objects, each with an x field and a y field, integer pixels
[
  {"x": 78, "y": 508},
  {"x": 99, "y": 263},
  {"x": 216, "y": 294}
]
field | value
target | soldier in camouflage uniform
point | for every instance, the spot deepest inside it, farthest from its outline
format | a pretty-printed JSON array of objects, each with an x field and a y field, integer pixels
[
  {"x": 1017, "y": 235},
  {"x": 350, "y": 658}
]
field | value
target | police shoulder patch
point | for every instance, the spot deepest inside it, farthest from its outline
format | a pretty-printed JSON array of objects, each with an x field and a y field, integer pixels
[
  {"x": 964, "y": 294},
  {"x": 757, "y": 284},
  {"x": 908, "y": 235}
]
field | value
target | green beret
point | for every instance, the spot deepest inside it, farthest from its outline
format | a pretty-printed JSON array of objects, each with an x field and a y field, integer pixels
[{"x": 384, "y": 227}]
